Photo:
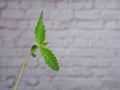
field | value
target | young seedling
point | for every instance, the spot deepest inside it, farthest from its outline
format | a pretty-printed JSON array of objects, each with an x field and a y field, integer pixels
[{"x": 49, "y": 57}]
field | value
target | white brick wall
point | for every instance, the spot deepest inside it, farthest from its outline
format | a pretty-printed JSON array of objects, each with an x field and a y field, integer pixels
[{"x": 84, "y": 35}]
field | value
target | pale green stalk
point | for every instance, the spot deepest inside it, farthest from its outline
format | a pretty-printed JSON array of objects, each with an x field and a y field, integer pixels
[{"x": 21, "y": 71}]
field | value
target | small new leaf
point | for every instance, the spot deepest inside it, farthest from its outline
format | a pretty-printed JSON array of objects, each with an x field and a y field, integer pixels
[
  {"x": 49, "y": 58},
  {"x": 33, "y": 54},
  {"x": 45, "y": 43},
  {"x": 40, "y": 30},
  {"x": 33, "y": 49}
]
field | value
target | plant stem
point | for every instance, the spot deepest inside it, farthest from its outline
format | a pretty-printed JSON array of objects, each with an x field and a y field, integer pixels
[{"x": 21, "y": 71}]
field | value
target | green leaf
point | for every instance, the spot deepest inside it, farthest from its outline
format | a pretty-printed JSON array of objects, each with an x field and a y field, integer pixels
[
  {"x": 40, "y": 34},
  {"x": 33, "y": 49},
  {"x": 40, "y": 30},
  {"x": 49, "y": 58}
]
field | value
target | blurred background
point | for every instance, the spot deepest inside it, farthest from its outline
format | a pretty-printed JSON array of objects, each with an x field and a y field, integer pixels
[{"x": 84, "y": 35}]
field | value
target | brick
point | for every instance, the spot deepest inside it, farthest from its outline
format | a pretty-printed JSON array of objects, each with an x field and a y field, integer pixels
[
  {"x": 90, "y": 25},
  {"x": 24, "y": 5},
  {"x": 44, "y": 80},
  {"x": 9, "y": 24},
  {"x": 80, "y": 83},
  {"x": 12, "y": 14},
  {"x": 112, "y": 4},
  {"x": 110, "y": 15},
  {"x": 87, "y": 15},
  {"x": 10, "y": 45},
  {"x": 106, "y": 44},
  {"x": 32, "y": 14},
  {"x": 76, "y": 61},
  {"x": 60, "y": 52},
  {"x": 115, "y": 65},
  {"x": 82, "y": 43},
  {"x": 78, "y": 1},
  {"x": 63, "y": 5},
  {"x": 68, "y": 43},
  {"x": 106, "y": 53},
  {"x": 14, "y": 62},
  {"x": 13, "y": 5},
  {"x": 13, "y": 52},
  {"x": 100, "y": 73},
  {"x": 1, "y": 43},
  {"x": 23, "y": 24},
  {"x": 32, "y": 82},
  {"x": 34, "y": 72},
  {"x": 75, "y": 71},
  {"x": 111, "y": 84},
  {"x": 102, "y": 63},
  {"x": 9, "y": 41},
  {"x": 87, "y": 62},
  {"x": 10, "y": 81},
  {"x": 83, "y": 34},
  {"x": 49, "y": 24},
  {"x": 61, "y": 15},
  {"x": 53, "y": 1},
  {"x": 2, "y": 83},
  {"x": 27, "y": 35},
  {"x": 118, "y": 4},
  {"x": 34, "y": 5},
  {"x": 81, "y": 5},
  {"x": 8, "y": 71},
  {"x": 103, "y": 35},
  {"x": 111, "y": 25},
  {"x": 57, "y": 43},
  {"x": 31, "y": 24},
  {"x": 115, "y": 75},
  {"x": 24, "y": 43},
  {"x": 17, "y": 62},
  {"x": 118, "y": 25},
  {"x": 2, "y": 5},
  {"x": 57, "y": 35},
  {"x": 62, "y": 25},
  {"x": 65, "y": 82},
  {"x": 33, "y": 62},
  {"x": 81, "y": 53},
  {"x": 100, "y": 4},
  {"x": 49, "y": 5},
  {"x": 103, "y": 53}
]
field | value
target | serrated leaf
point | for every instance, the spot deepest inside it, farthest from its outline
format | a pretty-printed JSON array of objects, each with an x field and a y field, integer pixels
[
  {"x": 49, "y": 58},
  {"x": 40, "y": 30}
]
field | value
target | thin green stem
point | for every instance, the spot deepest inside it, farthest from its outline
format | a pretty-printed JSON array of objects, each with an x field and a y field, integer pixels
[{"x": 21, "y": 71}]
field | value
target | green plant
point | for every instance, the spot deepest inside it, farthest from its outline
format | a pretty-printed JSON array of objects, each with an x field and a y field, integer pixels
[{"x": 49, "y": 57}]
